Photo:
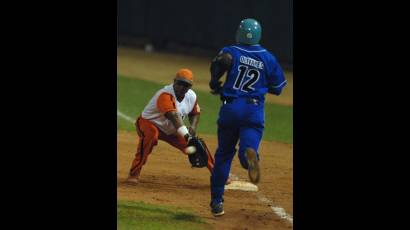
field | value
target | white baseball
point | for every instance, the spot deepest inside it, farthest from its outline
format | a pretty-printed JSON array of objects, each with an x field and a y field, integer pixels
[{"x": 190, "y": 150}]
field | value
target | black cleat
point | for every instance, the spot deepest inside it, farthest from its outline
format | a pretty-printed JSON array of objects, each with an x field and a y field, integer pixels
[
  {"x": 217, "y": 209},
  {"x": 253, "y": 165}
]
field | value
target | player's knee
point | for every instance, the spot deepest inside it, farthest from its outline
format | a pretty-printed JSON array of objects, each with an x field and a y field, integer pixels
[{"x": 151, "y": 133}]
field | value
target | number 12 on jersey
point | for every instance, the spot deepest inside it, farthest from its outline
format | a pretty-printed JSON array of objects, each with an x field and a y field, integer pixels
[{"x": 253, "y": 77}]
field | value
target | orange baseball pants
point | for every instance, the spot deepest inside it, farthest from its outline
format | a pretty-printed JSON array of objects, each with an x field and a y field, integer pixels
[{"x": 149, "y": 135}]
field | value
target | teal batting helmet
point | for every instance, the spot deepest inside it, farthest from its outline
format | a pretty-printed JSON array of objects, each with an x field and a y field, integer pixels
[{"x": 249, "y": 32}]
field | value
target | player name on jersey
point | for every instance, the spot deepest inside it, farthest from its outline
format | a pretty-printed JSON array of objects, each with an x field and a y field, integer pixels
[{"x": 252, "y": 62}]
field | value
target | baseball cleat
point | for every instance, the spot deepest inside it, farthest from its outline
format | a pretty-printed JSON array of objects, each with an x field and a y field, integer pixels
[
  {"x": 253, "y": 165},
  {"x": 217, "y": 209}
]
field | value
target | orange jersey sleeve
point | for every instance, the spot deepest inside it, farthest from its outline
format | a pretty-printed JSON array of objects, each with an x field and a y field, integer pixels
[
  {"x": 166, "y": 103},
  {"x": 196, "y": 109}
]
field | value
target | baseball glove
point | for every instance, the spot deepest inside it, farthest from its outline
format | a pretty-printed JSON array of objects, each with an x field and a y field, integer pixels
[{"x": 198, "y": 159}]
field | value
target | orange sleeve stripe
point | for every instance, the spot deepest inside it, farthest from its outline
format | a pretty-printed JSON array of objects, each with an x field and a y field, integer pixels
[
  {"x": 166, "y": 103},
  {"x": 196, "y": 109}
]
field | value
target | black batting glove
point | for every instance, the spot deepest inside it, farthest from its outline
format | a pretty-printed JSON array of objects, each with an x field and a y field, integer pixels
[{"x": 216, "y": 87}]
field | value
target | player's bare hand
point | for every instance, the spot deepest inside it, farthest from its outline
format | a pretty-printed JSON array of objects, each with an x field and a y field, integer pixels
[
  {"x": 216, "y": 91},
  {"x": 216, "y": 87}
]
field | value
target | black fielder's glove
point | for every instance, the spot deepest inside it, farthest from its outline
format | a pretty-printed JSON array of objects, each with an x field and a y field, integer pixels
[{"x": 199, "y": 158}]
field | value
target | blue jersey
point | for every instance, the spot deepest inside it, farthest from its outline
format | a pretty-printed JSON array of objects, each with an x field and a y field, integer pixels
[{"x": 253, "y": 71}]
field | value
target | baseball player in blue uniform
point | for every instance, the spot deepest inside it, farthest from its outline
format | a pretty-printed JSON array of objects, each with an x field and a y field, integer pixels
[{"x": 252, "y": 71}]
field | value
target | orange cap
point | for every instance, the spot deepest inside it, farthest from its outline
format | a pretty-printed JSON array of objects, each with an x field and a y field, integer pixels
[{"x": 185, "y": 75}]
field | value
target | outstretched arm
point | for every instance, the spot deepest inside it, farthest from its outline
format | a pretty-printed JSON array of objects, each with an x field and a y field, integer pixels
[
  {"x": 174, "y": 117},
  {"x": 178, "y": 123},
  {"x": 166, "y": 105},
  {"x": 193, "y": 120}
]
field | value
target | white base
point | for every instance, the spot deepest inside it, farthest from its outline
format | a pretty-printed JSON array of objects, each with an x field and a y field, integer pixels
[{"x": 242, "y": 185}]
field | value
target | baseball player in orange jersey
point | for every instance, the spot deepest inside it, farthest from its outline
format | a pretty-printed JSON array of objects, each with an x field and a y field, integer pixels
[{"x": 162, "y": 119}]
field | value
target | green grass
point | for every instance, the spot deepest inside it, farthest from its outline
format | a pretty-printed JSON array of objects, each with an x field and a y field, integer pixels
[
  {"x": 134, "y": 94},
  {"x": 138, "y": 215}
]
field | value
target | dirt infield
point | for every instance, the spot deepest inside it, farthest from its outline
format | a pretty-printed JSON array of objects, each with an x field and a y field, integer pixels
[{"x": 168, "y": 179}]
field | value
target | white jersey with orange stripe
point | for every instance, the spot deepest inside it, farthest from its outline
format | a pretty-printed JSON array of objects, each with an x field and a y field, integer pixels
[{"x": 152, "y": 113}]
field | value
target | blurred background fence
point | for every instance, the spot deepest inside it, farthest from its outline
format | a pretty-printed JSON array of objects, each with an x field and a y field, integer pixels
[{"x": 204, "y": 27}]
